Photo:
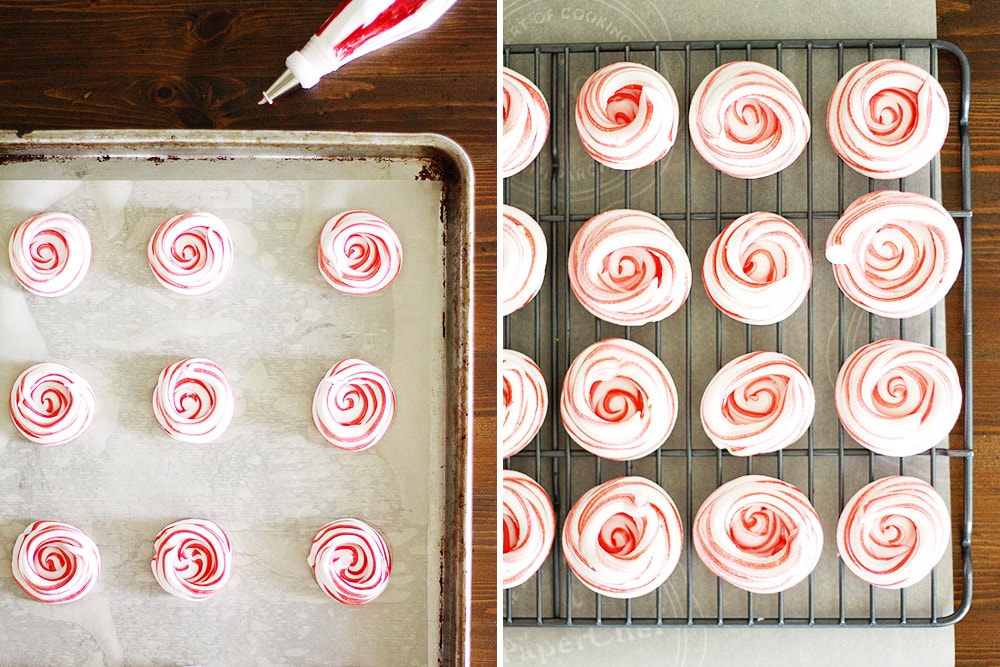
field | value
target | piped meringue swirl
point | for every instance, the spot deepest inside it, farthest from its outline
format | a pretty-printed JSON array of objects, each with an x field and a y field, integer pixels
[
  {"x": 529, "y": 527},
  {"x": 623, "y": 538},
  {"x": 50, "y": 253},
  {"x": 359, "y": 253},
  {"x": 191, "y": 253},
  {"x": 525, "y": 122},
  {"x": 353, "y": 405},
  {"x": 193, "y": 560},
  {"x": 524, "y": 257},
  {"x": 351, "y": 561},
  {"x": 50, "y": 404},
  {"x": 894, "y": 531},
  {"x": 55, "y": 562},
  {"x": 897, "y": 397},
  {"x": 627, "y": 267},
  {"x": 194, "y": 400},
  {"x": 525, "y": 401}
]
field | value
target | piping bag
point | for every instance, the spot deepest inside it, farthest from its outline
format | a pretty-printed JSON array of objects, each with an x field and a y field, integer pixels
[{"x": 356, "y": 28}]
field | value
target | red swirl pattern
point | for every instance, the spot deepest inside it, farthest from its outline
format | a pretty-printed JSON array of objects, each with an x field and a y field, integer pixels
[
  {"x": 894, "y": 531},
  {"x": 523, "y": 258},
  {"x": 50, "y": 404},
  {"x": 194, "y": 400},
  {"x": 193, "y": 560},
  {"x": 623, "y": 538},
  {"x": 758, "y": 533},
  {"x": 747, "y": 120},
  {"x": 525, "y": 401},
  {"x": 626, "y": 116},
  {"x": 353, "y": 405},
  {"x": 618, "y": 400},
  {"x": 887, "y": 118},
  {"x": 55, "y": 563},
  {"x": 525, "y": 122},
  {"x": 529, "y": 527},
  {"x": 359, "y": 253},
  {"x": 897, "y": 397},
  {"x": 895, "y": 254},
  {"x": 627, "y": 267},
  {"x": 351, "y": 561},
  {"x": 191, "y": 253},
  {"x": 50, "y": 253}
]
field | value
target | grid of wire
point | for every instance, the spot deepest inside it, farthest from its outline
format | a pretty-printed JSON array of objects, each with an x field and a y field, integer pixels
[{"x": 564, "y": 189}]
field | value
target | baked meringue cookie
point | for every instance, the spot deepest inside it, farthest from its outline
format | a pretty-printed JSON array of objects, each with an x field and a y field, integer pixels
[
  {"x": 193, "y": 559},
  {"x": 191, "y": 253},
  {"x": 525, "y": 122},
  {"x": 55, "y": 562},
  {"x": 525, "y": 401},
  {"x": 50, "y": 404},
  {"x": 529, "y": 527},
  {"x": 50, "y": 253},
  {"x": 524, "y": 257},
  {"x": 353, "y": 405},
  {"x": 194, "y": 400},
  {"x": 351, "y": 561},
  {"x": 359, "y": 253}
]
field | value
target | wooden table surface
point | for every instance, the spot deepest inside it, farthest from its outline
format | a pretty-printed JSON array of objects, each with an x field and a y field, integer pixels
[{"x": 73, "y": 64}]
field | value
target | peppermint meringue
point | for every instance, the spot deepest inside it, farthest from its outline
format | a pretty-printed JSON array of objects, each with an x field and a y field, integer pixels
[
  {"x": 191, "y": 253},
  {"x": 759, "y": 402},
  {"x": 50, "y": 404},
  {"x": 895, "y": 254},
  {"x": 626, "y": 116},
  {"x": 194, "y": 400},
  {"x": 747, "y": 120},
  {"x": 523, "y": 259},
  {"x": 55, "y": 562},
  {"x": 759, "y": 269},
  {"x": 525, "y": 122},
  {"x": 627, "y": 267},
  {"x": 359, "y": 253},
  {"x": 894, "y": 531},
  {"x": 525, "y": 401},
  {"x": 50, "y": 253},
  {"x": 529, "y": 527},
  {"x": 887, "y": 118},
  {"x": 618, "y": 400},
  {"x": 758, "y": 533},
  {"x": 193, "y": 560},
  {"x": 623, "y": 538},
  {"x": 897, "y": 397},
  {"x": 351, "y": 561},
  {"x": 353, "y": 405}
]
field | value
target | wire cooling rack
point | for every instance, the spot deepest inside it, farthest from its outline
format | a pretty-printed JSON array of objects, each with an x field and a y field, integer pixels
[{"x": 564, "y": 188}]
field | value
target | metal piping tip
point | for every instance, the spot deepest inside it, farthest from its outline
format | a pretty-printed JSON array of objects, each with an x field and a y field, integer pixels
[{"x": 283, "y": 84}]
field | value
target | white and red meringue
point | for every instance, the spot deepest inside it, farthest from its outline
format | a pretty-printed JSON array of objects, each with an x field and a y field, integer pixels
[
  {"x": 55, "y": 562},
  {"x": 897, "y": 397},
  {"x": 759, "y": 402},
  {"x": 51, "y": 404},
  {"x": 759, "y": 269},
  {"x": 50, "y": 253},
  {"x": 627, "y": 267},
  {"x": 895, "y": 254},
  {"x": 887, "y": 118},
  {"x": 623, "y": 538},
  {"x": 618, "y": 400},
  {"x": 627, "y": 115},
  {"x": 529, "y": 527},
  {"x": 353, "y": 405},
  {"x": 894, "y": 531},
  {"x": 359, "y": 253},
  {"x": 525, "y": 122},
  {"x": 191, "y": 253},
  {"x": 351, "y": 561},
  {"x": 193, "y": 559},
  {"x": 524, "y": 255},
  {"x": 525, "y": 401},
  {"x": 759, "y": 533},
  {"x": 747, "y": 120},
  {"x": 194, "y": 400}
]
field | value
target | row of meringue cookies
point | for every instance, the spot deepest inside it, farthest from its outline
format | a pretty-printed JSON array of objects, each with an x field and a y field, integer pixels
[
  {"x": 192, "y": 253},
  {"x": 886, "y": 118},
  {"x": 57, "y": 563},
  {"x": 623, "y": 538},
  {"x": 194, "y": 401}
]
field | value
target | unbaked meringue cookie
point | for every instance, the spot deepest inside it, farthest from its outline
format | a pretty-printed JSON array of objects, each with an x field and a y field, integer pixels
[
  {"x": 894, "y": 531},
  {"x": 351, "y": 561},
  {"x": 623, "y": 538},
  {"x": 895, "y": 254},
  {"x": 51, "y": 404},
  {"x": 359, "y": 253},
  {"x": 758, "y": 533},
  {"x": 523, "y": 260},
  {"x": 50, "y": 253},
  {"x": 759, "y": 402},
  {"x": 194, "y": 400},
  {"x": 897, "y": 397},
  {"x": 759, "y": 270},
  {"x": 525, "y": 401},
  {"x": 193, "y": 559},
  {"x": 525, "y": 122},
  {"x": 747, "y": 120},
  {"x": 618, "y": 400},
  {"x": 627, "y": 267},
  {"x": 529, "y": 527},
  {"x": 353, "y": 405},
  {"x": 55, "y": 562},
  {"x": 887, "y": 118},
  {"x": 191, "y": 253}
]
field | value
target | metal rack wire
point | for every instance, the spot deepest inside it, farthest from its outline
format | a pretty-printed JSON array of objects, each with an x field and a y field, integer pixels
[{"x": 565, "y": 188}]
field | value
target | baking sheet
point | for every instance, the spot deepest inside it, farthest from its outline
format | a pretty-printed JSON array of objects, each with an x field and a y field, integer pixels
[{"x": 275, "y": 327}]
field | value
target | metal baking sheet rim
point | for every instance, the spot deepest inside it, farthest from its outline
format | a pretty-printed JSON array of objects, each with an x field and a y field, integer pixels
[{"x": 447, "y": 162}]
